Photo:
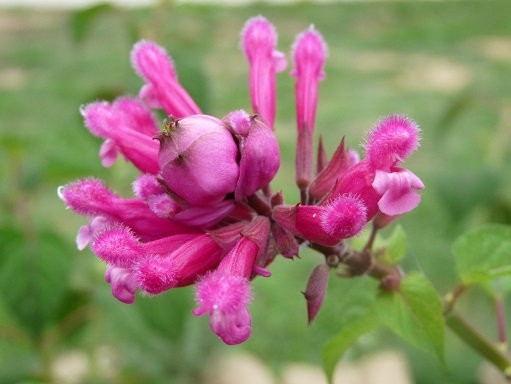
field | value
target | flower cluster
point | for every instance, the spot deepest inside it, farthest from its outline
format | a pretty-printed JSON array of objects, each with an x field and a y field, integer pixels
[{"x": 204, "y": 212}]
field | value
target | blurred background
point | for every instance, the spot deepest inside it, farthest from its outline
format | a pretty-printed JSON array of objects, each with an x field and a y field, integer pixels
[{"x": 446, "y": 64}]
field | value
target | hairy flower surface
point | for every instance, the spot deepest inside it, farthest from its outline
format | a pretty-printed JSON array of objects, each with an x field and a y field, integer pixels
[{"x": 203, "y": 211}]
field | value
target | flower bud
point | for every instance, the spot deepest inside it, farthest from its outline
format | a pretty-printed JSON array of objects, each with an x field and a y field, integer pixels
[
  {"x": 309, "y": 53},
  {"x": 285, "y": 241},
  {"x": 198, "y": 159},
  {"x": 392, "y": 140},
  {"x": 331, "y": 172},
  {"x": 258, "y": 42},
  {"x": 225, "y": 292},
  {"x": 344, "y": 217},
  {"x": 259, "y": 149},
  {"x": 316, "y": 290}
]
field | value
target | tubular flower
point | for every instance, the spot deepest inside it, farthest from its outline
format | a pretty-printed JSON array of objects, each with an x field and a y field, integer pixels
[
  {"x": 309, "y": 54},
  {"x": 377, "y": 179},
  {"x": 128, "y": 127},
  {"x": 162, "y": 88},
  {"x": 225, "y": 292},
  {"x": 258, "y": 42},
  {"x": 203, "y": 211}
]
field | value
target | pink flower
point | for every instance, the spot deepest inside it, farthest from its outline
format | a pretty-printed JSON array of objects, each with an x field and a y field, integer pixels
[
  {"x": 128, "y": 127},
  {"x": 203, "y": 210},
  {"x": 309, "y": 53},
  {"x": 87, "y": 232},
  {"x": 151, "y": 191},
  {"x": 258, "y": 40},
  {"x": 225, "y": 298},
  {"x": 342, "y": 218},
  {"x": 157, "y": 272},
  {"x": 392, "y": 140},
  {"x": 162, "y": 89},
  {"x": 381, "y": 185},
  {"x": 225, "y": 292},
  {"x": 90, "y": 197}
]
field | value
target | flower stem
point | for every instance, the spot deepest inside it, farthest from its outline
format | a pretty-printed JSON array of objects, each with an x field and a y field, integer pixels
[
  {"x": 479, "y": 342},
  {"x": 501, "y": 320}
]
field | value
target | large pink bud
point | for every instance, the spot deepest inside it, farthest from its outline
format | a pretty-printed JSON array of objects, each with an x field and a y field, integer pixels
[
  {"x": 198, "y": 159},
  {"x": 259, "y": 152}
]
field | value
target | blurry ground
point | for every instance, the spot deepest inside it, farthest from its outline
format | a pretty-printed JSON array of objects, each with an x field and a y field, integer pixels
[{"x": 382, "y": 368}]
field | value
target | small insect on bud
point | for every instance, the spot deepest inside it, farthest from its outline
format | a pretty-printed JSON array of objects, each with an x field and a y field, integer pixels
[{"x": 198, "y": 159}]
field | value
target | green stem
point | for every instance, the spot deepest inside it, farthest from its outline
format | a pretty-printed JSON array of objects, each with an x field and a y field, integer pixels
[{"x": 479, "y": 342}]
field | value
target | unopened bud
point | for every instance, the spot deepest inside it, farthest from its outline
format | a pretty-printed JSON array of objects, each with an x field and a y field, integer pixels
[
  {"x": 198, "y": 159},
  {"x": 316, "y": 290}
]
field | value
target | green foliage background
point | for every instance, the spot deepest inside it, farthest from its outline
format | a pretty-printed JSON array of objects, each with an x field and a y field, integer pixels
[{"x": 445, "y": 64}]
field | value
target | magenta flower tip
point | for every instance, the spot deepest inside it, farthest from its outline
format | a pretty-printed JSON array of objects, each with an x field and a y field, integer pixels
[
  {"x": 225, "y": 297},
  {"x": 258, "y": 33},
  {"x": 149, "y": 60},
  {"x": 94, "y": 115},
  {"x": 146, "y": 186},
  {"x": 344, "y": 217},
  {"x": 86, "y": 196},
  {"x": 117, "y": 245},
  {"x": 392, "y": 140},
  {"x": 309, "y": 49},
  {"x": 223, "y": 291},
  {"x": 239, "y": 121},
  {"x": 156, "y": 274},
  {"x": 124, "y": 122}
]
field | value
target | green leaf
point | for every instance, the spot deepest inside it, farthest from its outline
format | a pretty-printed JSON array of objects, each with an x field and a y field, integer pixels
[
  {"x": 415, "y": 313},
  {"x": 34, "y": 270},
  {"x": 357, "y": 319},
  {"x": 483, "y": 254},
  {"x": 394, "y": 247},
  {"x": 347, "y": 335}
]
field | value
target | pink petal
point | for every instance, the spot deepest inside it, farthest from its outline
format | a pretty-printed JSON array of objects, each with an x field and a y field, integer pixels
[
  {"x": 154, "y": 65},
  {"x": 124, "y": 286},
  {"x": 398, "y": 191},
  {"x": 108, "y": 153}
]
